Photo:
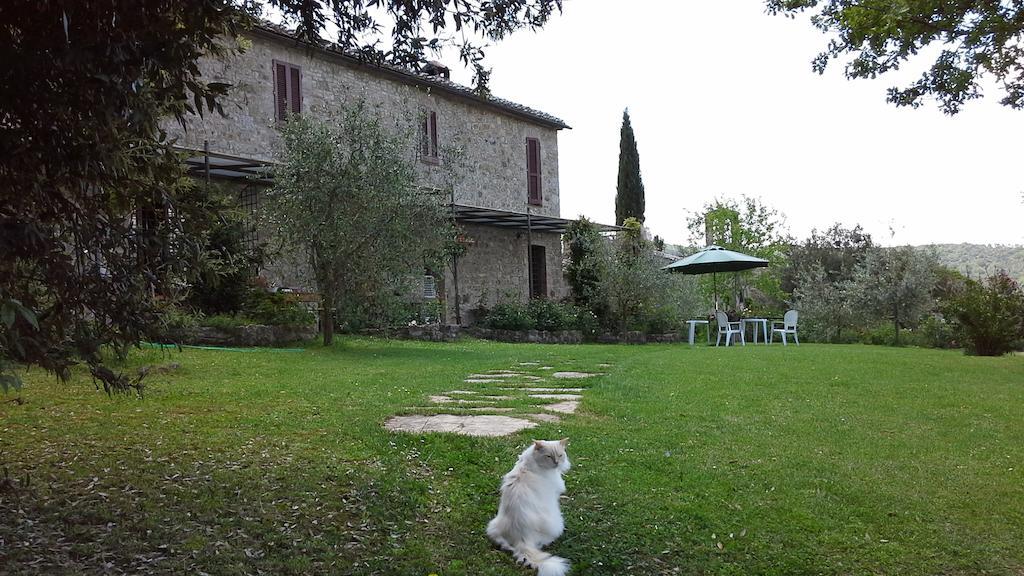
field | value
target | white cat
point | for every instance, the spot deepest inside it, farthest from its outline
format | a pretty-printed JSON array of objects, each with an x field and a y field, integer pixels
[{"x": 528, "y": 516}]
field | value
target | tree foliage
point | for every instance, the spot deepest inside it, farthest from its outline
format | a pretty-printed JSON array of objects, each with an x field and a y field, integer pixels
[
  {"x": 747, "y": 226},
  {"x": 629, "y": 191},
  {"x": 585, "y": 263},
  {"x": 91, "y": 209},
  {"x": 990, "y": 315},
  {"x": 894, "y": 284},
  {"x": 345, "y": 194},
  {"x": 818, "y": 274},
  {"x": 416, "y": 28},
  {"x": 637, "y": 294},
  {"x": 978, "y": 39}
]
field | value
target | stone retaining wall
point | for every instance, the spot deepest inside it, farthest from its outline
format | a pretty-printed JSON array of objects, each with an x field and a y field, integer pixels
[
  {"x": 450, "y": 333},
  {"x": 252, "y": 335}
]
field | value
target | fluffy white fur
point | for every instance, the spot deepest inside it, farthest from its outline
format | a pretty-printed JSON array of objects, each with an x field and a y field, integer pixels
[{"x": 528, "y": 516}]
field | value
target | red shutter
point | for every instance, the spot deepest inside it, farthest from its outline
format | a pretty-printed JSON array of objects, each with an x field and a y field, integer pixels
[
  {"x": 433, "y": 134},
  {"x": 533, "y": 187},
  {"x": 280, "y": 90},
  {"x": 295, "y": 95}
]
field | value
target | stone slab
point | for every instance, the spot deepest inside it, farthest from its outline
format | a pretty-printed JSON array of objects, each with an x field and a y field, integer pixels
[
  {"x": 566, "y": 407},
  {"x": 482, "y": 425},
  {"x": 575, "y": 374},
  {"x": 557, "y": 396},
  {"x": 532, "y": 389},
  {"x": 543, "y": 417},
  {"x": 440, "y": 399}
]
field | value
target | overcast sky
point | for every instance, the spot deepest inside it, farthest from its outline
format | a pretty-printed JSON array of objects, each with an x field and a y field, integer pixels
[{"x": 723, "y": 103}]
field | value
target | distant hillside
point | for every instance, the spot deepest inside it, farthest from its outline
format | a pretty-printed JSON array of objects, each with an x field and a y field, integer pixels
[
  {"x": 982, "y": 260},
  {"x": 974, "y": 260}
]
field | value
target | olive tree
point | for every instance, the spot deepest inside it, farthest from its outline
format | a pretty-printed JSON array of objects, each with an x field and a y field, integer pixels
[
  {"x": 345, "y": 195},
  {"x": 894, "y": 284}
]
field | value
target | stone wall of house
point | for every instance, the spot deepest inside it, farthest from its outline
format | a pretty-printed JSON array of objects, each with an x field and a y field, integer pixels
[
  {"x": 495, "y": 268},
  {"x": 494, "y": 141}
]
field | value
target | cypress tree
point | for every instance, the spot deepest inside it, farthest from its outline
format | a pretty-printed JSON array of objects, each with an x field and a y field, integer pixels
[{"x": 629, "y": 196}]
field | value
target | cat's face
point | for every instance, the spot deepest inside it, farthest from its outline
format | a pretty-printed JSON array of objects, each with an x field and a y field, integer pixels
[{"x": 551, "y": 453}]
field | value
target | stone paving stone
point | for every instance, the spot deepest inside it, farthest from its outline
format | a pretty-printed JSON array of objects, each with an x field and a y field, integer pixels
[
  {"x": 567, "y": 407},
  {"x": 529, "y": 363},
  {"x": 487, "y": 375},
  {"x": 557, "y": 396},
  {"x": 482, "y": 425},
  {"x": 531, "y": 389},
  {"x": 483, "y": 381},
  {"x": 543, "y": 417},
  {"x": 574, "y": 374},
  {"x": 460, "y": 392},
  {"x": 441, "y": 399},
  {"x": 491, "y": 409}
]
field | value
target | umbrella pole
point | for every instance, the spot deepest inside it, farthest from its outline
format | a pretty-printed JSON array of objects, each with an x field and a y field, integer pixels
[{"x": 714, "y": 283}]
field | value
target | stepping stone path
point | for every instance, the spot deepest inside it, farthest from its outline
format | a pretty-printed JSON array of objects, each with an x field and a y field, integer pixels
[{"x": 496, "y": 387}]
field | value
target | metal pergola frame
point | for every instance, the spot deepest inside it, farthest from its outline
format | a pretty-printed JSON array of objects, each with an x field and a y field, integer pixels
[
  {"x": 206, "y": 164},
  {"x": 464, "y": 213}
]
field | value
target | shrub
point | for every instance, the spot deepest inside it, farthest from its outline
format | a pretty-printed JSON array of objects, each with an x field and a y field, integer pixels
[
  {"x": 275, "y": 309},
  {"x": 885, "y": 335},
  {"x": 225, "y": 322},
  {"x": 990, "y": 315},
  {"x": 550, "y": 315},
  {"x": 937, "y": 332},
  {"x": 510, "y": 316}
]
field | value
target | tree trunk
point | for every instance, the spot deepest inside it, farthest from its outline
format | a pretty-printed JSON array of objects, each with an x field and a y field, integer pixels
[
  {"x": 896, "y": 323},
  {"x": 327, "y": 317}
]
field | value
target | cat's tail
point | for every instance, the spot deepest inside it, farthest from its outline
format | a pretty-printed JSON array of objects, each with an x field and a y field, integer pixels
[{"x": 546, "y": 564}]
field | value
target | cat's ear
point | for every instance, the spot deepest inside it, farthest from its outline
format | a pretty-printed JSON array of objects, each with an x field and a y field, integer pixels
[
  {"x": 538, "y": 445},
  {"x": 564, "y": 442}
]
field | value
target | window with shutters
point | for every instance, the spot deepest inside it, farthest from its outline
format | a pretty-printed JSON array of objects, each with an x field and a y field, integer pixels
[
  {"x": 428, "y": 138},
  {"x": 287, "y": 90},
  {"x": 533, "y": 189}
]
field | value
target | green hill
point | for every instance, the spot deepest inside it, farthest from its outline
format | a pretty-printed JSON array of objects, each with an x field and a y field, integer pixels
[{"x": 982, "y": 260}]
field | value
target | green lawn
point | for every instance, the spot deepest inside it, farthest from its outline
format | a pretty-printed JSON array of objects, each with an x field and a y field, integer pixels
[{"x": 748, "y": 460}]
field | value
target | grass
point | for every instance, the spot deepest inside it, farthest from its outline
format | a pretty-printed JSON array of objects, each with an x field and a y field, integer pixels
[{"x": 755, "y": 460}]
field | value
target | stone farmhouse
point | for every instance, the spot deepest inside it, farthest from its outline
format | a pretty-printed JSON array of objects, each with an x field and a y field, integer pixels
[{"x": 507, "y": 204}]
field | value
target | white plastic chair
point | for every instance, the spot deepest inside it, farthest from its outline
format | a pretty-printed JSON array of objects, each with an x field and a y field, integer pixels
[
  {"x": 787, "y": 326},
  {"x": 727, "y": 328}
]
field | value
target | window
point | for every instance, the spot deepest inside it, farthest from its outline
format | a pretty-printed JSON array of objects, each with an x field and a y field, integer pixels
[
  {"x": 533, "y": 172},
  {"x": 428, "y": 138},
  {"x": 538, "y": 272},
  {"x": 429, "y": 287},
  {"x": 248, "y": 201},
  {"x": 287, "y": 89}
]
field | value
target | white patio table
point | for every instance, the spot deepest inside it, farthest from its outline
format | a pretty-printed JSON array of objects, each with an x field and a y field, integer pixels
[
  {"x": 693, "y": 328},
  {"x": 755, "y": 321}
]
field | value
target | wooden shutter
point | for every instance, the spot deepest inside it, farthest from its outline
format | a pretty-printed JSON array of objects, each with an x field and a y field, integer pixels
[
  {"x": 280, "y": 90},
  {"x": 433, "y": 134},
  {"x": 533, "y": 187},
  {"x": 295, "y": 94}
]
